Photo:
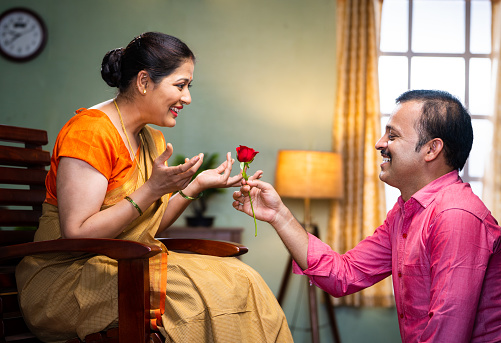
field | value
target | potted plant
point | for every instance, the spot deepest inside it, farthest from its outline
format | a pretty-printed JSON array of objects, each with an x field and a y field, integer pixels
[{"x": 199, "y": 206}]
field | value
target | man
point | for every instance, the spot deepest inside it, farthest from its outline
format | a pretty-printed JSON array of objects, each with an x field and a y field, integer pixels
[{"x": 439, "y": 241}]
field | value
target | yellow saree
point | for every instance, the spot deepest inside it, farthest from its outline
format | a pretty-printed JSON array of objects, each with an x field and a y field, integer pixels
[{"x": 195, "y": 299}]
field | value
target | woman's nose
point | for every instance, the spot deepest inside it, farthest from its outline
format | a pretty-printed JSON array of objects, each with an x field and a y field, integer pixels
[{"x": 186, "y": 97}]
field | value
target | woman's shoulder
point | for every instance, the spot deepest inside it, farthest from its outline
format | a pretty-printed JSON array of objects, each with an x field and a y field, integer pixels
[
  {"x": 90, "y": 122},
  {"x": 88, "y": 130},
  {"x": 85, "y": 118}
]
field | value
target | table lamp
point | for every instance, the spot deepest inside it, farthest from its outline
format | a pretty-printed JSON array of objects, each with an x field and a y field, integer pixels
[
  {"x": 307, "y": 175},
  {"x": 304, "y": 174}
]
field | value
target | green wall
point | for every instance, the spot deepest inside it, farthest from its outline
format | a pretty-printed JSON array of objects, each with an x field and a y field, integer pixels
[{"x": 265, "y": 77}]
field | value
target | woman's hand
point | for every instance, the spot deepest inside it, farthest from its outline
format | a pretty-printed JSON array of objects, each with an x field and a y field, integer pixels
[
  {"x": 166, "y": 179},
  {"x": 220, "y": 176},
  {"x": 266, "y": 201}
]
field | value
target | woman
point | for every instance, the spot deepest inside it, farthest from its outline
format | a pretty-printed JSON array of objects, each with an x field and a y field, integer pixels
[{"x": 109, "y": 179}]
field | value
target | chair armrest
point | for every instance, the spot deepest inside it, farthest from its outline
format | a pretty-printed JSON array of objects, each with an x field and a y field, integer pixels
[
  {"x": 205, "y": 246},
  {"x": 113, "y": 248},
  {"x": 133, "y": 276}
]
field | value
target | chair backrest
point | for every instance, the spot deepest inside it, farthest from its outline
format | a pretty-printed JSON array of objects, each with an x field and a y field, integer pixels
[{"x": 23, "y": 165}]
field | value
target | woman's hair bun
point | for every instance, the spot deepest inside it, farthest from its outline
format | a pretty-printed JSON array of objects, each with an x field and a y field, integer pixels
[{"x": 111, "y": 66}]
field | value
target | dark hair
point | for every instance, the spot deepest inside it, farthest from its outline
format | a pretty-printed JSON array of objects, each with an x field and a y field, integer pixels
[
  {"x": 443, "y": 116},
  {"x": 157, "y": 53}
]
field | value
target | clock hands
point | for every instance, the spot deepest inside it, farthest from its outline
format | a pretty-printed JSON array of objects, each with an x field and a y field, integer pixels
[{"x": 16, "y": 35}]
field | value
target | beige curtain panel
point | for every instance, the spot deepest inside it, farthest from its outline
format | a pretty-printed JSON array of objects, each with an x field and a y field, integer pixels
[
  {"x": 492, "y": 180},
  {"x": 356, "y": 128}
]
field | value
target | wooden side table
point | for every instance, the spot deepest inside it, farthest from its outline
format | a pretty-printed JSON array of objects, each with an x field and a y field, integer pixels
[{"x": 230, "y": 234}]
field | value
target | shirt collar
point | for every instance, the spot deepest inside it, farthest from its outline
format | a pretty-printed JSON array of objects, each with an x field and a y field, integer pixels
[{"x": 427, "y": 194}]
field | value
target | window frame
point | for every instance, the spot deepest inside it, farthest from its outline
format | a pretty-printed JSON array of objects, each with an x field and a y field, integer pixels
[{"x": 467, "y": 56}]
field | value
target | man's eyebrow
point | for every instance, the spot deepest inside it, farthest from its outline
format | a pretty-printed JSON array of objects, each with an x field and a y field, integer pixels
[{"x": 391, "y": 128}]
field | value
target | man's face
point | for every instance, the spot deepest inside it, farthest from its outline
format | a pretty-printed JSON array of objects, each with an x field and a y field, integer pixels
[{"x": 402, "y": 166}]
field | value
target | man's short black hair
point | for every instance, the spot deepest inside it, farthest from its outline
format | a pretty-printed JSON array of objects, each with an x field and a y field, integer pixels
[{"x": 443, "y": 116}]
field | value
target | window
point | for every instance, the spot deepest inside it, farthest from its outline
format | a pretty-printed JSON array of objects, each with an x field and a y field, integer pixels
[{"x": 440, "y": 44}]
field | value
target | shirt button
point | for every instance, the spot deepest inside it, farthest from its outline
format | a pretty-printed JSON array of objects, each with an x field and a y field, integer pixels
[
  {"x": 404, "y": 235},
  {"x": 401, "y": 315},
  {"x": 399, "y": 274},
  {"x": 430, "y": 314}
]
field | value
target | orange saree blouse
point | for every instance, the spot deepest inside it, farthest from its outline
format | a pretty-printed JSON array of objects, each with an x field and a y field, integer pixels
[{"x": 88, "y": 137}]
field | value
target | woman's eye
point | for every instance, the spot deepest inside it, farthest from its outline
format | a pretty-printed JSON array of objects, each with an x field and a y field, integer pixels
[{"x": 183, "y": 85}]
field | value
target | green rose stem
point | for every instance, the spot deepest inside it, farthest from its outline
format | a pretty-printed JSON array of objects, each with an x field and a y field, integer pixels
[{"x": 244, "y": 166}]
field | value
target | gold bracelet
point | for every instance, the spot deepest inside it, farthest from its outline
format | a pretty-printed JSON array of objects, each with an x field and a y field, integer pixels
[
  {"x": 134, "y": 204},
  {"x": 187, "y": 197}
]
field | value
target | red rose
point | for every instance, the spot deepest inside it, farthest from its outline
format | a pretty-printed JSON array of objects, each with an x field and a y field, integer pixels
[{"x": 246, "y": 154}]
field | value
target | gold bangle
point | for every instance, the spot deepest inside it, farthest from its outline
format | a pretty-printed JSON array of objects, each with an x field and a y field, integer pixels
[
  {"x": 134, "y": 204},
  {"x": 187, "y": 197}
]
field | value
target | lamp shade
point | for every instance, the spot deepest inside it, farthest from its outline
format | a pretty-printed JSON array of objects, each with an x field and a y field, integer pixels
[{"x": 309, "y": 174}]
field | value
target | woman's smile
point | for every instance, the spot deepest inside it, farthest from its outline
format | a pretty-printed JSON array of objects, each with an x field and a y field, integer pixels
[{"x": 175, "y": 110}]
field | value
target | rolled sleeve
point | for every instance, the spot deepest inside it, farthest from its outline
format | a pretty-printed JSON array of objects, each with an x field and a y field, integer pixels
[
  {"x": 343, "y": 274},
  {"x": 320, "y": 259}
]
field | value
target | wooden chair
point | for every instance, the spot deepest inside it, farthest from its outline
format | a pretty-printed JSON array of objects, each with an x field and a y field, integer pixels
[{"x": 23, "y": 165}]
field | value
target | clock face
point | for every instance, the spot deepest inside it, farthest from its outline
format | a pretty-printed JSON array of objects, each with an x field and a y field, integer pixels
[{"x": 22, "y": 34}]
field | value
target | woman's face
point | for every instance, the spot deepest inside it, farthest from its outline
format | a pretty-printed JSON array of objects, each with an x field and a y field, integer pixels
[{"x": 167, "y": 98}]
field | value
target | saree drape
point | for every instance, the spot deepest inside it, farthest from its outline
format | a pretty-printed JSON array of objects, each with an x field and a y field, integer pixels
[
  {"x": 194, "y": 298},
  {"x": 356, "y": 127},
  {"x": 492, "y": 179}
]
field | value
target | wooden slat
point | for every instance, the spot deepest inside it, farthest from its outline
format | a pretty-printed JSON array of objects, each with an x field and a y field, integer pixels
[
  {"x": 22, "y": 197},
  {"x": 15, "y": 156},
  {"x": 19, "y": 217},
  {"x": 22, "y": 134},
  {"x": 7, "y": 280},
  {"x": 16, "y": 237},
  {"x": 28, "y": 155},
  {"x": 21, "y": 176}
]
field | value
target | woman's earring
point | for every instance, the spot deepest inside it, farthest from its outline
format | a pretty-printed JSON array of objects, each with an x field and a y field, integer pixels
[{"x": 144, "y": 91}]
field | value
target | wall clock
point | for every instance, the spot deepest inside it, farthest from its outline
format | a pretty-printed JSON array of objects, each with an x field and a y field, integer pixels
[{"x": 23, "y": 34}]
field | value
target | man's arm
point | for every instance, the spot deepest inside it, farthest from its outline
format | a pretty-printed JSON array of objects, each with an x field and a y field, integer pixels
[
  {"x": 337, "y": 274},
  {"x": 342, "y": 274}
]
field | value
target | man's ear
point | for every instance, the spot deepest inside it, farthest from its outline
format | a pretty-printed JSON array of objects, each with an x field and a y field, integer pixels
[{"x": 433, "y": 149}]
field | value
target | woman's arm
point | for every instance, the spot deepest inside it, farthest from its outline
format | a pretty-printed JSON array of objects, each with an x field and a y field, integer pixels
[
  {"x": 211, "y": 178},
  {"x": 81, "y": 190}
]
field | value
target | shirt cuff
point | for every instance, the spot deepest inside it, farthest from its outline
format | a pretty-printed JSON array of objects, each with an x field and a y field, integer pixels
[{"x": 320, "y": 258}]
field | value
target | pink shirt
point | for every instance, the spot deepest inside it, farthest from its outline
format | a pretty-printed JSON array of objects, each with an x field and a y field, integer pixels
[{"x": 443, "y": 249}]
